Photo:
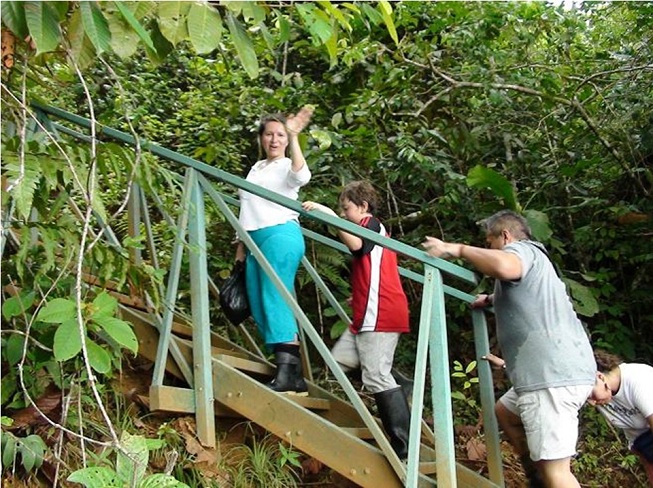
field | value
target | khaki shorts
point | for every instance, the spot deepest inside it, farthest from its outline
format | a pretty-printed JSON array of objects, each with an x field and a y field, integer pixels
[
  {"x": 373, "y": 353},
  {"x": 550, "y": 418}
]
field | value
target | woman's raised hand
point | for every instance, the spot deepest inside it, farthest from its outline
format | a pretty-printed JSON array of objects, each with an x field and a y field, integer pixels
[{"x": 297, "y": 122}]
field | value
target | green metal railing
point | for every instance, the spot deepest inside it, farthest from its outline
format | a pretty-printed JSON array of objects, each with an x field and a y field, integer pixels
[{"x": 432, "y": 347}]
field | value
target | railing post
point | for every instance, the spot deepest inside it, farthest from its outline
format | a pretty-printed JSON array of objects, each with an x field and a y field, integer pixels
[
  {"x": 202, "y": 367},
  {"x": 491, "y": 428},
  {"x": 441, "y": 385}
]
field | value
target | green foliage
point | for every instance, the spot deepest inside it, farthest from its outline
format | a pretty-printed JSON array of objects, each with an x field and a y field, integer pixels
[
  {"x": 30, "y": 450},
  {"x": 267, "y": 462},
  {"x": 130, "y": 469},
  {"x": 452, "y": 110},
  {"x": 464, "y": 391}
]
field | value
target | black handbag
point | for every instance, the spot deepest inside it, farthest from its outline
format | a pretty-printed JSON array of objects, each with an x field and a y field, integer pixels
[{"x": 233, "y": 295}]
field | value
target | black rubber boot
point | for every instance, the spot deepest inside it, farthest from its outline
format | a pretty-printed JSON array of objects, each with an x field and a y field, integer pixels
[
  {"x": 289, "y": 378},
  {"x": 532, "y": 474},
  {"x": 405, "y": 382},
  {"x": 395, "y": 416}
]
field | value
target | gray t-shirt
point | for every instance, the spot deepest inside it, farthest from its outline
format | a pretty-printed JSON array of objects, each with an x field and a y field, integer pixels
[{"x": 541, "y": 338}]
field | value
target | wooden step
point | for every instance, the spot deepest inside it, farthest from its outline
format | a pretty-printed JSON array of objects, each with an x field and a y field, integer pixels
[{"x": 243, "y": 364}]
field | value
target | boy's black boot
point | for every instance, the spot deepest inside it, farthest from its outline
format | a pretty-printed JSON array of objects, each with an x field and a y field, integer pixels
[{"x": 395, "y": 416}]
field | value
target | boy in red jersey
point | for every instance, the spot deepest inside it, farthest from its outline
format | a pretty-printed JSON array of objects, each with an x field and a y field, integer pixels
[{"x": 380, "y": 312}]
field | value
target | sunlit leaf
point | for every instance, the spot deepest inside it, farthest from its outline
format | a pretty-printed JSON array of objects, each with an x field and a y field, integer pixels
[
  {"x": 135, "y": 24},
  {"x": 172, "y": 21},
  {"x": 204, "y": 27},
  {"x": 95, "y": 26},
  {"x": 386, "y": 12}
]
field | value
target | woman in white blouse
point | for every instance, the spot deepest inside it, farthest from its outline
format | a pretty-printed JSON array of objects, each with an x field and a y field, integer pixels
[{"x": 275, "y": 230}]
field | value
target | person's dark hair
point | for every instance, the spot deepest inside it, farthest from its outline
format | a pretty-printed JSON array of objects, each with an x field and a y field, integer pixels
[
  {"x": 509, "y": 220},
  {"x": 605, "y": 361},
  {"x": 359, "y": 192},
  {"x": 270, "y": 118}
]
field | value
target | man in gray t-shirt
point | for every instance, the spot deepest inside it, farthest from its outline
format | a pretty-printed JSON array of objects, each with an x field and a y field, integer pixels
[{"x": 548, "y": 355}]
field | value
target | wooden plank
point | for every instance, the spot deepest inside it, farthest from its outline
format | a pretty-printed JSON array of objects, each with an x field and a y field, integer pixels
[
  {"x": 172, "y": 399},
  {"x": 181, "y": 400}
]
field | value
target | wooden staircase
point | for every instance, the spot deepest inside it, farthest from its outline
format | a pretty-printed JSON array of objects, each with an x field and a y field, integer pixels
[{"x": 321, "y": 425}]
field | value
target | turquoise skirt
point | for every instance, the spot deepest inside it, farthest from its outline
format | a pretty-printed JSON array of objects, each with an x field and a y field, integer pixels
[{"x": 283, "y": 246}]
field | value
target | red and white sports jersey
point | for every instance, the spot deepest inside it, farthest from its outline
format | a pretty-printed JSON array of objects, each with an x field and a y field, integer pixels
[{"x": 378, "y": 299}]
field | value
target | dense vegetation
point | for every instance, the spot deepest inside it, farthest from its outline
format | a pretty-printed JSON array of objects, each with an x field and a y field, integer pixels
[{"x": 453, "y": 110}]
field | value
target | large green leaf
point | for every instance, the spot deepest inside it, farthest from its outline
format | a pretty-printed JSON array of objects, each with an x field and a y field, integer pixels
[
  {"x": 585, "y": 303},
  {"x": 57, "y": 311},
  {"x": 119, "y": 330},
  {"x": 99, "y": 359},
  {"x": 244, "y": 46},
  {"x": 96, "y": 477},
  {"x": 482, "y": 177},
  {"x": 204, "y": 27},
  {"x": 95, "y": 26},
  {"x": 135, "y": 25},
  {"x": 13, "y": 16},
  {"x": 172, "y": 21},
  {"x": 81, "y": 47},
  {"x": 539, "y": 224},
  {"x": 43, "y": 26},
  {"x": 67, "y": 341}
]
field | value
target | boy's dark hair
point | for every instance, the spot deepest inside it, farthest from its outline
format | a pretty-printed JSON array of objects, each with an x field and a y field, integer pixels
[
  {"x": 278, "y": 117},
  {"x": 359, "y": 192},
  {"x": 605, "y": 361},
  {"x": 509, "y": 220}
]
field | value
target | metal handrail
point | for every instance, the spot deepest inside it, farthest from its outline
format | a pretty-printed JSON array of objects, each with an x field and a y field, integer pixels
[{"x": 432, "y": 332}]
